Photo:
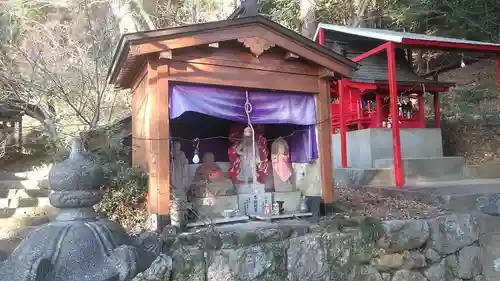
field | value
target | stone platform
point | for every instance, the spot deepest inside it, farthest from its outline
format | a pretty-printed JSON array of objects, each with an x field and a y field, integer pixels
[
  {"x": 459, "y": 195},
  {"x": 435, "y": 249}
]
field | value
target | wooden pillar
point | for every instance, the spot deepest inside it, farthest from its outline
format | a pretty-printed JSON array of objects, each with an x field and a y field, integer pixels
[
  {"x": 378, "y": 110},
  {"x": 421, "y": 110},
  {"x": 158, "y": 144},
  {"x": 358, "y": 110},
  {"x": 437, "y": 110},
  {"x": 324, "y": 120},
  {"x": 393, "y": 92},
  {"x": 343, "y": 126},
  {"x": 321, "y": 37}
]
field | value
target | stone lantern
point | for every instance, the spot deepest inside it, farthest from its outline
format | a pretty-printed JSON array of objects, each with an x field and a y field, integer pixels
[{"x": 77, "y": 245}]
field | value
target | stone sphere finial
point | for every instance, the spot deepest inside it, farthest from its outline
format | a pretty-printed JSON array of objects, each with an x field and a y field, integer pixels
[{"x": 76, "y": 182}]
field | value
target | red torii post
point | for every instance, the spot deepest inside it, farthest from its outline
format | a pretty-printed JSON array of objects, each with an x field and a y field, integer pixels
[{"x": 390, "y": 48}]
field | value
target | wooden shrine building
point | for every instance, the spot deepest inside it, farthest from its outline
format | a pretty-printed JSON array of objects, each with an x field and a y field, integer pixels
[{"x": 197, "y": 62}]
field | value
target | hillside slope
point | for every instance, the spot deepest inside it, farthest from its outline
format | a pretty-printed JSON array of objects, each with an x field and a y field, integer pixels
[{"x": 472, "y": 125}]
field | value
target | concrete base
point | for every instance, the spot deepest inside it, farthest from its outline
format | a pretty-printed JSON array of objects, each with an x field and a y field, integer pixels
[
  {"x": 364, "y": 176},
  {"x": 213, "y": 207},
  {"x": 484, "y": 171},
  {"x": 281, "y": 217},
  {"x": 366, "y": 146},
  {"x": 219, "y": 220},
  {"x": 427, "y": 169}
]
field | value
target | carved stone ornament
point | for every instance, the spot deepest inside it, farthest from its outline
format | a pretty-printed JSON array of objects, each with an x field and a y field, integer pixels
[
  {"x": 77, "y": 246},
  {"x": 256, "y": 45}
]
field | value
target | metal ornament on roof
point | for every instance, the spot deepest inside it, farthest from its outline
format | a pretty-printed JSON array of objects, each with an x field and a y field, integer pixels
[{"x": 77, "y": 246}]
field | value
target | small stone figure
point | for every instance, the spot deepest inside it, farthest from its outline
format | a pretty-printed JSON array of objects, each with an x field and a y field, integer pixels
[
  {"x": 209, "y": 179},
  {"x": 77, "y": 246},
  {"x": 282, "y": 168},
  {"x": 180, "y": 168}
]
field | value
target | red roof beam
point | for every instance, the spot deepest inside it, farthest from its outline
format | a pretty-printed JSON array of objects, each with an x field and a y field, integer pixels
[
  {"x": 450, "y": 45},
  {"x": 372, "y": 52}
]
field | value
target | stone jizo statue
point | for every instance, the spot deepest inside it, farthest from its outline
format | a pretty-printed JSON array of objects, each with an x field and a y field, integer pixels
[
  {"x": 209, "y": 179},
  {"x": 179, "y": 185},
  {"x": 282, "y": 168}
]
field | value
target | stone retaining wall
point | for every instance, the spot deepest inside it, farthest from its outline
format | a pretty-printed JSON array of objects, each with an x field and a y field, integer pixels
[{"x": 438, "y": 249}]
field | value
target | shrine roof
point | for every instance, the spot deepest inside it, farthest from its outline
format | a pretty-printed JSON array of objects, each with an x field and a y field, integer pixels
[
  {"x": 412, "y": 39},
  {"x": 129, "y": 56},
  {"x": 373, "y": 69}
]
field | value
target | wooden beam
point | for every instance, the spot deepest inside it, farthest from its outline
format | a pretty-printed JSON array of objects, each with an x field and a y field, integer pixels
[
  {"x": 291, "y": 56},
  {"x": 324, "y": 127},
  {"x": 327, "y": 74},
  {"x": 204, "y": 38},
  {"x": 372, "y": 52},
  {"x": 158, "y": 144},
  {"x": 166, "y": 55},
  {"x": 238, "y": 77},
  {"x": 242, "y": 32},
  {"x": 271, "y": 65}
]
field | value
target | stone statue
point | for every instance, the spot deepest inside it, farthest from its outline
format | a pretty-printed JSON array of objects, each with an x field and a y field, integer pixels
[
  {"x": 179, "y": 167},
  {"x": 243, "y": 164},
  {"x": 77, "y": 245},
  {"x": 179, "y": 185},
  {"x": 248, "y": 152},
  {"x": 282, "y": 168},
  {"x": 209, "y": 179}
]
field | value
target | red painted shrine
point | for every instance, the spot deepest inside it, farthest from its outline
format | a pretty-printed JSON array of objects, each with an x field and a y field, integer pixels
[{"x": 385, "y": 93}]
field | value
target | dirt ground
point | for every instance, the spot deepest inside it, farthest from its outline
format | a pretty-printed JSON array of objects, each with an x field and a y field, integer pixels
[{"x": 369, "y": 203}]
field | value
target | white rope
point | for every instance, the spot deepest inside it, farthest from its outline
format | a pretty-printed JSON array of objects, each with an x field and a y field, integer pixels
[{"x": 248, "y": 110}]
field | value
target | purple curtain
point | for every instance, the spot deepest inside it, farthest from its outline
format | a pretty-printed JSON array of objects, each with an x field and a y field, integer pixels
[
  {"x": 268, "y": 107},
  {"x": 228, "y": 103}
]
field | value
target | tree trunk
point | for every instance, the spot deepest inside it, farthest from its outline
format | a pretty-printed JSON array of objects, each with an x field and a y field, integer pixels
[{"x": 307, "y": 17}]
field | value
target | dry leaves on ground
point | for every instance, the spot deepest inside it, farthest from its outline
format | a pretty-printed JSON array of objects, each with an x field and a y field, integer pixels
[{"x": 370, "y": 203}]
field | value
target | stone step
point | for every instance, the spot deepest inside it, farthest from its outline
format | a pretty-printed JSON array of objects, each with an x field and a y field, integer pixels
[
  {"x": 350, "y": 176},
  {"x": 20, "y": 202},
  {"x": 23, "y": 184},
  {"x": 20, "y": 226},
  {"x": 482, "y": 171},
  {"x": 428, "y": 169},
  {"x": 23, "y": 193},
  {"x": 26, "y": 211}
]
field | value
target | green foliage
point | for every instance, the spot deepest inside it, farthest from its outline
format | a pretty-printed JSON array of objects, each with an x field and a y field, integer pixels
[
  {"x": 284, "y": 12},
  {"x": 127, "y": 188},
  {"x": 126, "y": 185}
]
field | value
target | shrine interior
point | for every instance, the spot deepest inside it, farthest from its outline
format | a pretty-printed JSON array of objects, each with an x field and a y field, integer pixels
[{"x": 213, "y": 133}]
